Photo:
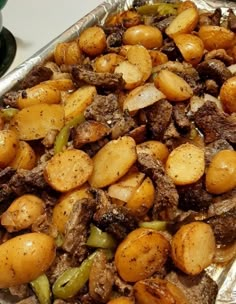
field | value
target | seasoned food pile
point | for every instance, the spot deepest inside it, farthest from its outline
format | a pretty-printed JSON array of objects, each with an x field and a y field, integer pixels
[{"x": 118, "y": 162}]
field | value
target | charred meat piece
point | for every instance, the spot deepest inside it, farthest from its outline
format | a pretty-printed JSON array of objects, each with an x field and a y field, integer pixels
[
  {"x": 156, "y": 121},
  {"x": 21, "y": 291},
  {"x": 115, "y": 37},
  {"x": 6, "y": 174},
  {"x": 92, "y": 148},
  {"x": 216, "y": 17},
  {"x": 170, "y": 49},
  {"x": 172, "y": 136},
  {"x": 211, "y": 87},
  {"x": 166, "y": 200},
  {"x": 210, "y": 19},
  {"x": 163, "y": 23},
  {"x": 197, "y": 289},
  {"x": 105, "y": 109},
  {"x": 37, "y": 75},
  {"x": 101, "y": 279},
  {"x": 29, "y": 300},
  {"x": 221, "y": 55},
  {"x": 215, "y": 147},
  {"x": 105, "y": 80},
  {"x": 214, "y": 69},
  {"x": 180, "y": 117},
  {"x": 215, "y": 124},
  {"x": 139, "y": 134},
  {"x": 224, "y": 227},
  {"x": 232, "y": 20},
  {"x": 194, "y": 197},
  {"x": 10, "y": 98},
  {"x": 77, "y": 229},
  {"x": 115, "y": 220},
  {"x": 89, "y": 131}
]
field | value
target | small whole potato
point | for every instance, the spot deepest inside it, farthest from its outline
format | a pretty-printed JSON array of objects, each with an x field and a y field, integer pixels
[
  {"x": 22, "y": 213},
  {"x": 148, "y": 36},
  {"x": 221, "y": 174},
  {"x": 227, "y": 95},
  {"x": 142, "y": 253},
  {"x": 25, "y": 257},
  {"x": 92, "y": 41},
  {"x": 8, "y": 146}
]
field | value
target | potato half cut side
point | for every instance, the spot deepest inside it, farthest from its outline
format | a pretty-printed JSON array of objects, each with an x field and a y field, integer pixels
[
  {"x": 193, "y": 247},
  {"x": 68, "y": 170},
  {"x": 131, "y": 74},
  {"x": 113, "y": 161},
  {"x": 184, "y": 23},
  {"x": 185, "y": 164}
]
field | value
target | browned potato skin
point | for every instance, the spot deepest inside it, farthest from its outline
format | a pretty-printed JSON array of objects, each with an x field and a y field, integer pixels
[
  {"x": 227, "y": 95},
  {"x": 67, "y": 53},
  {"x": 8, "y": 146},
  {"x": 158, "y": 291},
  {"x": 92, "y": 41},
  {"x": 157, "y": 57},
  {"x": 22, "y": 213},
  {"x": 216, "y": 37},
  {"x": 25, "y": 257},
  {"x": 142, "y": 253},
  {"x": 146, "y": 35},
  {"x": 129, "y": 18},
  {"x": 221, "y": 174},
  {"x": 185, "y": 5}
]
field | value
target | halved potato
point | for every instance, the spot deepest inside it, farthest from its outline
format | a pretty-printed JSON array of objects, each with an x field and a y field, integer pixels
[
  {"x": 131, "y": 74},
  {"x": 25, "y": 157},
  {"x": 139, "y": 56},
  {"x": 155, "y": 148},
  {"x": 36, "y": 121},
  {"x": 142, "y": 96},
  {"x": 173, "y": 86},
  {"x": 107, "y": 63},
  {"x": 61, "y": 84},
  {"x": 193, "y": 247},
  {"x": 186, "y": 164},
  {"x": 113, "y": 161},
  {"x": 184, "y": 23},
  {"x": 67, "y": 170}
]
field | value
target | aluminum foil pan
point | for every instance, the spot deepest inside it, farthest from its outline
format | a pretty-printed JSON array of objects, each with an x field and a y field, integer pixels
[{"x": 224, "y": 276}]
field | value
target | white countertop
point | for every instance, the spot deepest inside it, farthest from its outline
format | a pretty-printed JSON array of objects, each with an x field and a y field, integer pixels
[{"x": 35, "y": 23}]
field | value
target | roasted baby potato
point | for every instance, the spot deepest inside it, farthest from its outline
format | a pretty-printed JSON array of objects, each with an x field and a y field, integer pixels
[
  {"x": 185, "y": 164},
  {"x": 221, "y": 174},
  {"x": 148, "y": 36},
  {"x": 227, "y": 95},
  {"x": 154, "y": 148},
  {"x": 113, "y": 160},
  {"x": 131, "y": 74},
  {"x": 107, "y": 63},
  {"x": 67, "y": 53},
  {"x": 41, "y": 93},
  {"x": 158, "y": 291},
  {"x": 9, "y": 143},
  {"x": 122, "y": 300},
  {"x": 193, "y": 247},
  {"x": 68, "y": 170},
  {"x": 142, "y": 253},
  {"x": 22, "y": 213},
  {"x": 25, "y": 257},
  {"x": 92, "y": 41},
  {"x": 25, "y": 157},
  {"x": 36, "y": 121},
  {"x": 63, "y": 208}
]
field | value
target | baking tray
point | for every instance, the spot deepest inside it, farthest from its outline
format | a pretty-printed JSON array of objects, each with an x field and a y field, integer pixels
[{"x": 224, "y": 276}]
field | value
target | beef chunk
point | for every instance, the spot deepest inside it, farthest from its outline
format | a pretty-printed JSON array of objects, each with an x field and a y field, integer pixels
[
  {"x": 172, "y": 137},
  {"x": 104, "y": 80},
  {"x": 214, "y": 69},
  {"x": 29, "y": 300},
  {"x": 197, "y": 289},
  {"x": 61, "y": 263},
  {"x": 101, "y": 278},
  {"x": 216, "y": 17},
  {"x": 158, "y": 118},
  {"x": 37, "y": 75},
  {"x": 21, "y": 291},
  {"x": 10, "y": 98},
  {"x": 170, "y": 49},
  {"x": 221, "y": 55},
  {"x": 223, "y": 203},
  {"x": 215, "y": 147},
  {"x": 115, "y": 220},
  {"x": 166, "y": 200},
  {"x": 211, "y": 87},
  {"x": 163, "y": 23},
  {"x": 215, "y": 124},
  {"x": 210, "y": 18},
  {"x": 115, "y": 38},
  {"x": 77, "y": 227},
  {"x": 224, "y": 227},
  {"x": 180, "y": 117},
  {"x": 6, "y": 174},
  {"x": 92, "y": 148},
  {"x": 194, "y": 197},
  {"x": 105, "y": 109}
]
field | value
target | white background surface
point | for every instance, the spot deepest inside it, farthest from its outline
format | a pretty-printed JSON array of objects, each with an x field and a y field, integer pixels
[{"x": 35, "y": 23}]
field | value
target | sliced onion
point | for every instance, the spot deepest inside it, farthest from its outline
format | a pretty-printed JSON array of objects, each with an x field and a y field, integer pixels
[{"x": 224, "y": 254}]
